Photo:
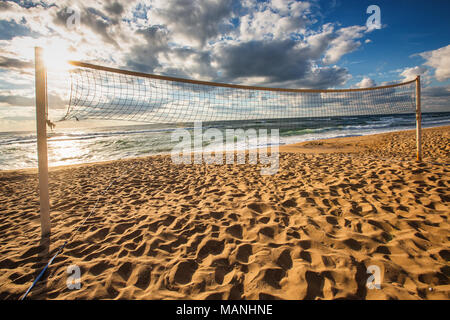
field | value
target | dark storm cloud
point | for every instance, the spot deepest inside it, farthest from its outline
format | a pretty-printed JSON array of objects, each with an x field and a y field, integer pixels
[
  {"x": 97, "y": 22},
  {"x": 279, "y": 62},
  {"x": 155, "y": 36},
  {"x": 436, "y": 98},
  {"x": 324, "y": 78},
  {"x": 144, "y": 58},
  {"x": 55, "y": 101},
  {"x": 92, "y": 18},
  {"x": 114, "y": 8},
  {"x": 12, "y": 63},
  {"x": 18, "y": 101},
  {"x": 198, "y": 20},
  {"x": 436, "y": 92},
  {"x": 275, "y": 59},
  {"x": 201, "y": 61}
]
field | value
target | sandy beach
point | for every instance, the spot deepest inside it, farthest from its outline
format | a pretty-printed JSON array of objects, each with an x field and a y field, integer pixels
[{"x": 165, "y": 231}]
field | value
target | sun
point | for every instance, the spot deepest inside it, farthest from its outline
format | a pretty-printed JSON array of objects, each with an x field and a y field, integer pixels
[{"x": 57, "y": 56}]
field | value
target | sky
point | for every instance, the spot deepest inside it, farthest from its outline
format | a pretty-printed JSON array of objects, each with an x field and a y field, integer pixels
[{"x": 280, "y": 43}]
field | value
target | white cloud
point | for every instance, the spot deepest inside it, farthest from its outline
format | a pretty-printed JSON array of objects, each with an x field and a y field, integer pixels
[
  {"x": 366, "y": 82},
  {"x": 345, "y": 42},
  {"x": 277, "y": 20},
  {"x": 413, "y": 72},
  {"x": 439, "y": 60}
]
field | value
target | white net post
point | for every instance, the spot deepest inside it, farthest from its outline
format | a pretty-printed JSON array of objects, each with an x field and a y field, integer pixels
[
  {"x": 418, "y": 121},
  {"x": 41, "y": 131}
]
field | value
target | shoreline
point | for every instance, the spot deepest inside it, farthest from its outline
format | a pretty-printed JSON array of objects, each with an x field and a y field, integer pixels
[{"x": 302, "y": 147}]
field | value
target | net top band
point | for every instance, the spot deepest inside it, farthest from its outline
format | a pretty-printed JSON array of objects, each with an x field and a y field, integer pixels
[{"x": 225, "y": 85}]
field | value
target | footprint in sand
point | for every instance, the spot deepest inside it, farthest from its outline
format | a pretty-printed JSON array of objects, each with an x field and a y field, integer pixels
[
  {"x": 259, "y": 207},
  {"x": 235, "y": 231},
  {"x": 211, "y": 247},
  {"x": 184, "y": 271},
  {"x": 222, "y": 267},
  {"x": 353, "y": 244},
  {"x": 267, "y": 231},
  {"x": 284, "y": 259},
  {"x": 244, "y": 251},
  {"x": 273, "y": 277},
  {"x": 99, "y": 268},
  {"x": 305, "y": 255},
  {"x": 315, "y": 283},
  {"x": 143, "y": 277},
  {"x": 291, "y": 203},
  {"x": 125, "y": 270}
]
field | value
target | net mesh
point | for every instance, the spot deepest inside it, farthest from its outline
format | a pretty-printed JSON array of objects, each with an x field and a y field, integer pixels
[{"x": 98, "y": 93}]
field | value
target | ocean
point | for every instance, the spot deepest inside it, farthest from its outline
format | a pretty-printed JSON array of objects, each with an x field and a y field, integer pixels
[{"x": 84, "y": 145}]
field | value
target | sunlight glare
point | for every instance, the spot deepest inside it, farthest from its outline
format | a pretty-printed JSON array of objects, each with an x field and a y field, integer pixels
[
  {"x": 57, "y": 56},
  {"x": 63, "y": 151}
]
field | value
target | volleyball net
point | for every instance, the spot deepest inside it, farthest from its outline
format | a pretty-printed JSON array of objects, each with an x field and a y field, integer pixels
[{"x": 99, "y": 92}]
